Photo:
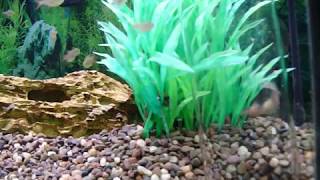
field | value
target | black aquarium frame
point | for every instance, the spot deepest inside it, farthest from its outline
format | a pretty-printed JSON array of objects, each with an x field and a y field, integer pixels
[{"x": 314, "y": 38}]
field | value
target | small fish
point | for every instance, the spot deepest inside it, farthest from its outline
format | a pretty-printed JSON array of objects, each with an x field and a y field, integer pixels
[
  {"x": 117, "y": 2},
  {"x": 266, "y": 103},
  {"x": 71, "y": 55},
  {"x": 48, "y": 3},
  {"x": 53, "y": 36},
  {"x": 143, "y": 27},
  {"x": 8, "y": 13},
  {"x": 89, "y": 61}
]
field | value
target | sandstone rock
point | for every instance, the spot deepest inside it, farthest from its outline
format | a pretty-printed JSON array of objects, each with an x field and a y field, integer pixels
[{"x": 80, "y": 103}]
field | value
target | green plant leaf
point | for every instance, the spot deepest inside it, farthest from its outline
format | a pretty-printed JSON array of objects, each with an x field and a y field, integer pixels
[
  {"x": 171, "y": 62},
  {"x": 220, "y": 60}
]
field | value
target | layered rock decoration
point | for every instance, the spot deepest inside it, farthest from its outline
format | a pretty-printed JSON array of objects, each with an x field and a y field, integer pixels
[{"x": 78, "y": 104}]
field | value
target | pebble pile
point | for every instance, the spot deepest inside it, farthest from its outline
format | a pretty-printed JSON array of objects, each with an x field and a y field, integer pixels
[{"x": 261, "y": 150}]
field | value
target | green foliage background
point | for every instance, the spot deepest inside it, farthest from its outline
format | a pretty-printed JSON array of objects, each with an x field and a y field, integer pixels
[
  {"x": 12, "y": 30},
  {"x": 77, "y": 27}
]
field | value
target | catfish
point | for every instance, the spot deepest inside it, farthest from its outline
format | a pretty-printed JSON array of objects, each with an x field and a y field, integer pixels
[{"x": 267, "y": 102}]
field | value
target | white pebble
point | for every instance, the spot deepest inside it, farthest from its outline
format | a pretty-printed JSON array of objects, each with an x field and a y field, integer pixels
[
  {"x": 165, "y": 176},
  {"x": 164, "y": 171},
  {"x": 103, "y": 162},
  {"x": 116, "y": 178},
  {"x": 174, "y": 159},
  {"x": 175, "y": 142},
  {"x": 243, "y": 153},
  {"x": 132, "y": 143},
  {"x": 17, "y": 158},
  {"x": 26, "y": 156},
  {"x": 143, "y": 170},
  {"x": 70, "y": 153},
  {"x": 17, "y": 146},
  {"x": 153, "y": 149},
  {"x": 51, "y": 153},
  {"x": 141, "y": 143},
  {"x": 274, "y": 162},
  {"x": 44, "y": 146},
  {"x": 85, "y": 155},
  {"x": 117, "y": 160},
  {"x": 139, "y": 129},
  {"x": 189, "y": 175},
  {"x": 76, "y": 172},
  {"x": 196, "y": 138},
  {"x": 91, "y": 159},
  {"x": 284, "y": 163},
  {"x": 186, "y": 169},
  {"x": 65, "y": 177},
  {"x": 155, "y": 177},
  {"x": 116, "y": 171},
  {"x": 231, "y": 168},
  {"x": 265, "y": 151},
  {"x": 83, "y": 142}
]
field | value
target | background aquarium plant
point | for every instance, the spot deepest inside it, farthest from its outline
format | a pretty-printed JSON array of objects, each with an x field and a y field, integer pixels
[
  {"x": 77, "y": 28},
  {"x": 184, "y": 60},
  {"x": 13, "y": 26}
]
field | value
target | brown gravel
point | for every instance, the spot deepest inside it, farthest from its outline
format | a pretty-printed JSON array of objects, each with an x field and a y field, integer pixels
[{"x": 261, "y": 150}]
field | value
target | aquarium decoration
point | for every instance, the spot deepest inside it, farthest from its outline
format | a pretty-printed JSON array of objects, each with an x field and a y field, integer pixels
[
  {"x": 184, "y": 61},
  {"x": 154, "y": 89},
  {"x": 79, "y": 104},
  {"x": 38, "y": 57}
]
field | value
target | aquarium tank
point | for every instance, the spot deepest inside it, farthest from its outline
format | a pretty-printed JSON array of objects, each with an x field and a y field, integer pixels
[{"x": 158, "y": 89}]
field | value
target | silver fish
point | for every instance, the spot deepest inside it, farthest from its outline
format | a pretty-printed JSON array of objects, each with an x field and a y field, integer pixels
[
  {"x": 48, "y": 3},
  {"x": 71, "y": 55},
  {"x": 117, "y": 2},
  {"x": 8, "y": 13},
  {"x": 89, "y": 61},
  {"x": 143, "y": 27}
]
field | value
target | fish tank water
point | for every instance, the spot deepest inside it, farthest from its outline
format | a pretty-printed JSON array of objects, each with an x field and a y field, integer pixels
[{"x": 159, "y": 90}]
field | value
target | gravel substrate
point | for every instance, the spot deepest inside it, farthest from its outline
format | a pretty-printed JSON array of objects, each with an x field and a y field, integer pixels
[{"x": 260, "y": 151}]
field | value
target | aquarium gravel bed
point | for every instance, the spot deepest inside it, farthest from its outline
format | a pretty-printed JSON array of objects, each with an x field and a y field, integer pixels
[{"x": 259, "y": 151}]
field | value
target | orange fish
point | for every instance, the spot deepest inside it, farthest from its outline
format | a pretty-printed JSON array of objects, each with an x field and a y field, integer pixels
[
  {"x": 89, "y": 61},
  {"x": 71, "y": 55},
  {"x": 8, "y": 13},
  {"x": 48, "y": 3},
  {"x": 53, "y": 36},
  {"x": 143, "y": 27}
]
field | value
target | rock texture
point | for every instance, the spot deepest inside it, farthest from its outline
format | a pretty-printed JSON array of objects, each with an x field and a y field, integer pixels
[{"x": 80, "y": 103}]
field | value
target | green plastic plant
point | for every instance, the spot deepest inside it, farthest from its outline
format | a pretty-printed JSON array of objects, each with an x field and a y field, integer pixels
[{"x": 187, "y": 63}]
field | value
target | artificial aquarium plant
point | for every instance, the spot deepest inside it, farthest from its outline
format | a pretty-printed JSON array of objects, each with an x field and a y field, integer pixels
[{"x": 184, "y": 60}]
